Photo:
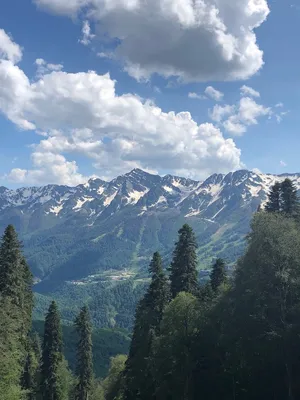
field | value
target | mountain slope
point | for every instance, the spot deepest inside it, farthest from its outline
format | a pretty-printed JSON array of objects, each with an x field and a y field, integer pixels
[{"x": 107, "y": 231}]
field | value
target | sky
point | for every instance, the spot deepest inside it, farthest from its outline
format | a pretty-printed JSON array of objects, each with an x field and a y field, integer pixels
[{"x": 187, "y": 87}]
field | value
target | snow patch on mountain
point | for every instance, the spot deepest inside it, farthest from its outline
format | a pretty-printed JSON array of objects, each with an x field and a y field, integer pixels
[
  {"x": 81, "y": 202},
  {"x": 56, "y": 209},
  {"x": 135, "y": 196},
  {"x": 109, "y": 199}
]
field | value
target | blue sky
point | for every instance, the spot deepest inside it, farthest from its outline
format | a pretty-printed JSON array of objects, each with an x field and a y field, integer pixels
[{"x": 172, "y": 102}]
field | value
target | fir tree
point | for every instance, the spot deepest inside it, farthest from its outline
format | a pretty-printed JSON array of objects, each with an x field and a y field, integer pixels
[
  {"x": 289, "y": 199},
  {"x": 139, "y": 383},
  {"x": 51, "y": 355},
  {"x": 218, "y": 274},
  {"x": 15, "y": 291},
  {"x": 11, "y": 267},
  {"x": 184, "y": 265},
  {"x": 274, "y": 199},
  {"x": 84, "y": 355}
]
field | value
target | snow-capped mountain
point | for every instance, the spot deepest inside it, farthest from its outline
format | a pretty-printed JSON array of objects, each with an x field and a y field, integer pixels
[{"x": 71, "y": 232}]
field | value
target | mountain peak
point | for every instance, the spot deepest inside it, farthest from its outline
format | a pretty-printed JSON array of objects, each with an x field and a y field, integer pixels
[{"x": 138, "y": 172}]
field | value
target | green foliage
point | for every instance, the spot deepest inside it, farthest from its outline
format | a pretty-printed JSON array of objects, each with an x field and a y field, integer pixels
[
  {"x": 249, "y": 337},
  {"x": 31, "y": 372},
  {"x": 16, "y": 303},
  {"x": 274, "y": 200},
  {"x": 11, "y": 351},
  {"x": 242, "y": 344},
  {"x": 173, "y": 358},
  {"x": 107, "y": 343},
  {"x": 113, "y": 384},
  {"x": 97, "y": 391},
  {"x": 111, "y": 305},
  {"x": 65, "y": 381},
  {"x": 289, "y": 199},
  {"x": 283, "y": 198},
  {"x": 138, "y": 377},
  {"x": 218, "y": 274},
  {"x": 84, "y": 369},
  {"x": 267, "y": 298},
  {"x": 52, "y": 356},
  {"x": 184, "y": 276}
]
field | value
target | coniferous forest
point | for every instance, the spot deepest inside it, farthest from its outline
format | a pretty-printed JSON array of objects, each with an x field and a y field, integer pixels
[{"x": 235, "y": 337}]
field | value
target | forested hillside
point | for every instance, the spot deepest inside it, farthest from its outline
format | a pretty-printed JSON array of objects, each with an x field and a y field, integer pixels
[{"x": 237, "y": 336}]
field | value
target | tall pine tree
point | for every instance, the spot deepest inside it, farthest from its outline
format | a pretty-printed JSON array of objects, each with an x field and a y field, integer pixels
[
  {"x": 218, "y": 274},
  {"x": 84, "y": 370},
  {"x": 17, "y": 299},
  {"x": 289, "y": 199},
  {"x": 184, "y": 265},
  {"x": 139, "y": 384},
  {"x": 51, "y": 355},
  {"x": 274, "y": 199}
]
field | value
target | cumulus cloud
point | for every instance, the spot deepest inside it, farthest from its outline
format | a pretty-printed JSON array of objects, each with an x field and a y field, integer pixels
[
  {"x": 219, "y": 112},
  {"x": 214, "y": 93},
  {"x": 194, "y": 41},
  {"x": 236, "y": 118},
  {"x": 87, "y": 35},
  {"x": 246, "y": 115},
  {"x": 48, "y": 167},
  {"x": 249, "y": 91},
  {"x": 8, "y": 49},
  {"x": 81, "y": 114}
]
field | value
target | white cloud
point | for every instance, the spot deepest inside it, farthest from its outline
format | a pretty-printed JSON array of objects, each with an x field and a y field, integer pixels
[
  {"x": 246, "y": 114},
  {"x": 195, "y": 41},
  {"x": 87, "y": 36},
  {"x": 219, "y": 112},
  {"x": 49, "y": 167},
  {"x": 80, "y": 113},
  {"x": 240, "y": 116},
  {"x": 214, "y": 93},
  {"x": 279, "y": 105},
  {"x": 43, "y": 67},
  {"x": 279, "y": 117},
  {"x": 249, "y": 91},
  {"x": 196, "y": 96},
  {"x": 110, "y": 55},
  {"x": 234, "y": 126},
  {"x": 249, "y": 111},
  {"x": 8, "y": 49},
  {"x": 283, "y": 164}
]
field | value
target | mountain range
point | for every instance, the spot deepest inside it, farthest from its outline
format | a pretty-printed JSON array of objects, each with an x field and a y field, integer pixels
[{"x": 107, "y": 231}]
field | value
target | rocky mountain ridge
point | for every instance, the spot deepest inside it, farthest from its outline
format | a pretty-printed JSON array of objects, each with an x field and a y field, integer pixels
[
  {"x": 71, "y": 233},
  {"x": 140, "y": 189}
]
